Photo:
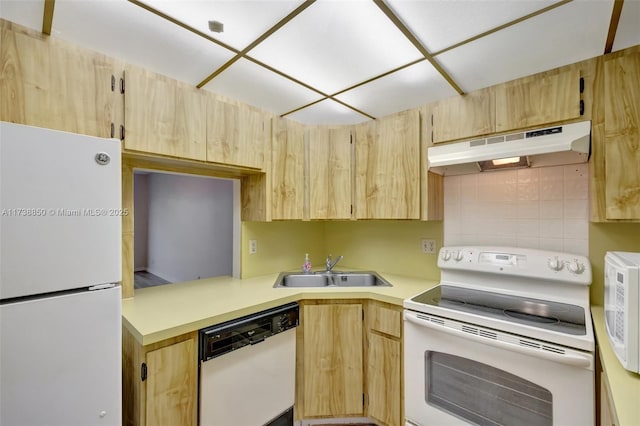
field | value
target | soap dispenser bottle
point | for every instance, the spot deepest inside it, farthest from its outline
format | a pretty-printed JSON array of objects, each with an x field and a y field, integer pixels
[{"x": 306, "y": 266}]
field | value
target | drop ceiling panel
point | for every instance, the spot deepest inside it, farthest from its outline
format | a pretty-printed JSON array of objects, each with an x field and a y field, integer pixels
[
  {"x": 335, "y": 44},
  {"x": 441, "y": 24},
  {"x": 628, "y": 33},
  {"x": 244, "y": 21},
  {"x": 328, "y": 112},
  {"x": 24, "y": 12},
  {"x": 125, "y": 31},
  {"x": 411, "y": 87},
  {"x": 572, "y": 33},
  {"x": 254, "y": 85}
]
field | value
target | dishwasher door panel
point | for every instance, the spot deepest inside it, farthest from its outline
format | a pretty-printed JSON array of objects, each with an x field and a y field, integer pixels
[{"x": 249, "y": 386}]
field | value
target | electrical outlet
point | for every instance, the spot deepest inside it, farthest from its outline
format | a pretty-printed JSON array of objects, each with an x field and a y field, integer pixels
[
  {"x": 253, "y": 246},
  {"x": 428, "y": 246}
]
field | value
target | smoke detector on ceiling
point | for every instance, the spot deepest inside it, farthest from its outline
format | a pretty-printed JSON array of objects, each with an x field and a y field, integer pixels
[{"x": 216, "y": 26}]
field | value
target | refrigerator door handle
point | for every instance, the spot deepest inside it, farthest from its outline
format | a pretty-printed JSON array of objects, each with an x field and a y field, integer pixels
[{"x": 102, "y": 286}]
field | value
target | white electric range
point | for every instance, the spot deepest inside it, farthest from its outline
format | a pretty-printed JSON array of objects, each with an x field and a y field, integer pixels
[{"x": 505, "y": 338}]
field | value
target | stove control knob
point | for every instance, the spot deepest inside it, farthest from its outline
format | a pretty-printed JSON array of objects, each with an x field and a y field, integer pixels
[
  {"x": 555, "y": 264},
  {"x": 575, "y": 267},
  {"x": 458, "y": 256},
  {"x": 445, "y": 255}
]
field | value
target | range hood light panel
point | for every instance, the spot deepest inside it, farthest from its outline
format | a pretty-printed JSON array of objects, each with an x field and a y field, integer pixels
[{"x": 503, "y": 161}]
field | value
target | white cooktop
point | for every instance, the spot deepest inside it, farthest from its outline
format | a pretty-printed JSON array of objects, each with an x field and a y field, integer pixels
[{"x": 537, "y": 294}]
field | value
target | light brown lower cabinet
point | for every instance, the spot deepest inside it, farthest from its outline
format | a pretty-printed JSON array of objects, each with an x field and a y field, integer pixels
[
  {"x": 605, "y": 409},
  {"x": 349, "y": 364},
  {"x": 160, "y": 381},
  {"x": 331, "y": 361},
  {"x": 384, "y": 363},
  {"x": 349, "y": 356}
]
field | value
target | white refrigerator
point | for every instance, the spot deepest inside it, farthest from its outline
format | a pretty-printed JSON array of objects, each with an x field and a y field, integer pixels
[{"x": 60, "y": 273}]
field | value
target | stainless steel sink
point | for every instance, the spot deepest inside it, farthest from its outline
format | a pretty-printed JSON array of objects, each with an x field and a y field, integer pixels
[
  {"x": 302, "y": 280},
  {"x": 332, "y": 279}
]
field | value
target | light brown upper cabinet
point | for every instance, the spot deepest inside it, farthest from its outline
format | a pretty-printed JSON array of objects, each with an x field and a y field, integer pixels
[
  {"x": 387, "y": 178},
  {"x": 465, "y": 116},
  {"x": 329, "y": 172},
  {"x": 48, "y": 83},
  {"x": 163, "y": 116},
  {"x": 537, "y": 100},
  {"x": 622, "y": 136},
  {"x": 236, "y": 134},
  {"x": 287, "y": 170}
]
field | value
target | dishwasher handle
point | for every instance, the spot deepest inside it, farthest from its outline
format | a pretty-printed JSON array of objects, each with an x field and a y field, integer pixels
[
  {"x": 250, "y": 330},
  {"x": 256, "y": 341}
]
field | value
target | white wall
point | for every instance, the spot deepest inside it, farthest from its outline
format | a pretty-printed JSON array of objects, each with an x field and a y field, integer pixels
[
  {"x": 190, "y": 227},
  {"x": 140, "y": 220},
  {"x": 546, "y": 208}
]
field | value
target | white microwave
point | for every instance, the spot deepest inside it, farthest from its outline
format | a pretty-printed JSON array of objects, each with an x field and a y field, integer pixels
[{"x": 622, "y": 306}]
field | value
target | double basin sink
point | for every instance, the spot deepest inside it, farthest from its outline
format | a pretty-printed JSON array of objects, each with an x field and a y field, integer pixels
[{"x": 330, "y": 279}]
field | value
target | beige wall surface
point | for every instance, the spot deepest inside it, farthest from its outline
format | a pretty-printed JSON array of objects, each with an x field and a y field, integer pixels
[
  {"x": 281, "y": 246},
  {"x": 605, "y": 237},
  {"x": 391, "y": 246}
]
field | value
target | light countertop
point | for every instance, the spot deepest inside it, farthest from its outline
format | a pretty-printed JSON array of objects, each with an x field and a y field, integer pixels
[
  {"x": 159, "y": 313},
  {"x": 623, "y": 386}
]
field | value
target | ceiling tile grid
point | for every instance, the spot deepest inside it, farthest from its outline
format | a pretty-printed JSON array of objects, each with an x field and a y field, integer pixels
[
  {"x": 409, "y": 88},
  {"x": 354, "y": 51},
  {"x": 333, "y": 45},
  {"x": 441, "y": 24},
  {"x": 252, "y": 84},
  {"x": 244, "y": 21},
  {"x": 571, "y": 33}
]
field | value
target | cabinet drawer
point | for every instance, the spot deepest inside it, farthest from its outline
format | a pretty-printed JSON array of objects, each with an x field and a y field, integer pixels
[{"x": 385, "y": 319}]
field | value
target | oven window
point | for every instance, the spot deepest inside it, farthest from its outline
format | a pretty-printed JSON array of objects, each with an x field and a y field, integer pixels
[{"x": 482, "y": 394}]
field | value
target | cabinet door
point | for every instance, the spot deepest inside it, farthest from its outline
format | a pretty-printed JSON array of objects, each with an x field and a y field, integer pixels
[
  {"x": 287, "y": 170},
  {"x": 48, "y": 83},
  {"x": 539, "y": 100},
  {"x": 332, "y": 359},
  {"x": 464, "y": 116},
  {"x": 235, "y": 134},
  {"x": 622, "y": 137},
  {"x": 383, "y": 380},
  {"x": 388, "y": 167},
  {"x": 172, "y": 382},
  {"x": 329, "y": 173},
  {"x": 163, "y": 116}
]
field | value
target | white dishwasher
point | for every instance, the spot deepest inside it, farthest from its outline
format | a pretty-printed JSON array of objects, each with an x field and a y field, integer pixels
[{"x": 247, "y": 370}]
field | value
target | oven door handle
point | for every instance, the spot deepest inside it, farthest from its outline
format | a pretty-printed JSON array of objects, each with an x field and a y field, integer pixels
[{"x": 574, "y": 359}]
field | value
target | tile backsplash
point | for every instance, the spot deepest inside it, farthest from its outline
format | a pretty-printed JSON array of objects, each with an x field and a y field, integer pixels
[{"x": 546, "y": 208}]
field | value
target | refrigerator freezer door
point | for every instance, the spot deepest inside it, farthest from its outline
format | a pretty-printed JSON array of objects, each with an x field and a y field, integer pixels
[
  {"x": 60, "y": 360},
  {"x": 60, "y": 222}
]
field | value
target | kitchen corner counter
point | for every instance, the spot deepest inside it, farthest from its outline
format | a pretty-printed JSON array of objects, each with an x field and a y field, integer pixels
[
  {"x": 623, "y": 386},
  {"x": 163, "y": 312}
]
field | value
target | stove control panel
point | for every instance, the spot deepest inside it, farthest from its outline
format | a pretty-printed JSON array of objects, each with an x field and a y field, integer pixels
[{"x": 517, "y": 261}]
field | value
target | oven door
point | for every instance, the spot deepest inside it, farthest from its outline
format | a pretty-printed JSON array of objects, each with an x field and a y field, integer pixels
[{"x": 457, "y": 373}]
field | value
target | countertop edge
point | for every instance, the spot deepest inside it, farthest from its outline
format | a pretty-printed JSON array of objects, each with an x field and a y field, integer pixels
[
  {"x": 622, "y": 385},
  {"x": 262, "y": 296}
]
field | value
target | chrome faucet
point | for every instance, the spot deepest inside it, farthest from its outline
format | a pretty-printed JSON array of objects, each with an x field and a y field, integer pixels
[{"x": 331, "y": 263}]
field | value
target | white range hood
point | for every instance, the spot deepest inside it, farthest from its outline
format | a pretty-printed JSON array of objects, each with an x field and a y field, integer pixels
[{"x": 549, "y": 146}]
